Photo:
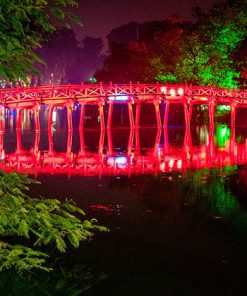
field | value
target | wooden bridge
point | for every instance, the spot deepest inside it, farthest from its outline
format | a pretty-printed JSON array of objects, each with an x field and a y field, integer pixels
[{"x": 106, "y": 95}]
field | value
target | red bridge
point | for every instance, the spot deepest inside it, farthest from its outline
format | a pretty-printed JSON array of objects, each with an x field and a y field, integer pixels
[
  {"x": 106, "y": 95},
  {"x": 106, "y": 160}
]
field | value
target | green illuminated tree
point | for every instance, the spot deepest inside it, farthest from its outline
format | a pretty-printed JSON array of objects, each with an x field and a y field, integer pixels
[
  {"x": 208, "y": 52},
  {"x": 23, "y": 26},
  {"x": 207, "y": 56}
]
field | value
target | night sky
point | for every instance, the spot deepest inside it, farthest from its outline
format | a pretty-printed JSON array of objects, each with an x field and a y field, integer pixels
[{"x": 101, "y": 16}]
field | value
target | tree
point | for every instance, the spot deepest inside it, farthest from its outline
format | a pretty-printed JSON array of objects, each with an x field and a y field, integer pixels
[
  {"x": 207, "y": 53},
  {"x": 23, "y": 26},
  {"x": 43, "y": 221}
]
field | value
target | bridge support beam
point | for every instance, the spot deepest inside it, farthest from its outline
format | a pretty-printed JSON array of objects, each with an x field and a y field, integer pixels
[
  {"x": 50, "y": 116},
  {"x": 18, "y": 117},
  {"x": 138, "y": 113},
  {"x": 166, "y": 117},
  {"x": 36, "y": 117},
  {"x": 234, "y": 107},
  {"x": 110, "y": 111},
  {"x": 69, "y": 107},
  {"x": 101, "y": 116},
  {"x": 157, "y": 113},
  {"x": 131, "y": 117},
  {"x": 82, "y": 116}
]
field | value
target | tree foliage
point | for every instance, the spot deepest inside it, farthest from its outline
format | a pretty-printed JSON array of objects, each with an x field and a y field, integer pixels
[
  {"x": 207, "y": 53},
  {"x": 45, "y": 221},
  {"x": 23, "y": 26}
]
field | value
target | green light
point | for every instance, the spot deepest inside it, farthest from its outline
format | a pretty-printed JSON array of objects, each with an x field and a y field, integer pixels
[
  {"x": 223, "y": 134},
  {"x": 223, "y": 108}
]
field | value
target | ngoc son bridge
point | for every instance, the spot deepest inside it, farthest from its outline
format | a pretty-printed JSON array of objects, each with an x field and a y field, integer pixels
[{"x": 133, "y": 96}]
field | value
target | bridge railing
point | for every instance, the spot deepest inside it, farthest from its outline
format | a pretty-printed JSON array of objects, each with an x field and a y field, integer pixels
[{"x": 103, "y": 91}]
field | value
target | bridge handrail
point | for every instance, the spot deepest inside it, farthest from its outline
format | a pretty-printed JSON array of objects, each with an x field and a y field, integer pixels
[{"x": 34, "y": 93}]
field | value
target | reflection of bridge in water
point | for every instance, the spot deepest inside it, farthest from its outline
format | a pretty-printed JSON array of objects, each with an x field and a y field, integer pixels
[
  {"x": 159, "y": 158},
  {"x": 135, "y": 160}
]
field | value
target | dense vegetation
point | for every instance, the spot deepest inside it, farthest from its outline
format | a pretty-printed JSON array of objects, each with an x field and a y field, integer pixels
[
  {"x": 23, "y": 26},
  {"x": 210, "y": 51},
  {"x": 35, "y": 222}
]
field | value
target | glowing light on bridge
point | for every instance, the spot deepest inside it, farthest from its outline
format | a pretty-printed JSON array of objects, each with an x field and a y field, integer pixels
[{"x": 119, "y": 98}]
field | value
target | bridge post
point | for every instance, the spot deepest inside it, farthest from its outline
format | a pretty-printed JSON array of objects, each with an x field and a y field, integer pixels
[
  {"x": 166, "y": 117},
  {"x": 109, "y": 140},
  {"x": 131, "y": 117},
  {"x": 101, "y": 115},
  {"x": 36, "y": 117},
  {"x": 110, "y": 111},
  {"x": 69, "y": 115},
  {"x": 157, "y": 112},
  {"x": 2, "y": 118},
  {"x": 50, "y": 139},
  {"x": 211, "y": 111},
  {"x": 130, "y": 142},
  {"x": 138, "y": 113},
  {"x": 82, "y": 115},
  {"x": 36, "y": 143},
  {"x": 50, "y": 117},
  {"x": 234, "y": 106},
  {"x": 137, "y": 141},
  {"x": 101, "y": 140},
  {"x": 18, "y": 141},
  {"x": 82, "y": 141},
  {"x": 18, "y": 117}
]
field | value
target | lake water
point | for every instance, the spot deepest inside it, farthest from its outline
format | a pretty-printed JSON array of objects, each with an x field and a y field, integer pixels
[{"x": 174, "y": 201}]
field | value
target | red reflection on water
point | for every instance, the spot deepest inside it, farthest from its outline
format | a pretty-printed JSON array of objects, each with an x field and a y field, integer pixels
[{"x": 134, "y": 160}]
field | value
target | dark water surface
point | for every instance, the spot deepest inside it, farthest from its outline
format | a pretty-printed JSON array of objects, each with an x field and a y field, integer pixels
[{"x": 176, "y": 212}]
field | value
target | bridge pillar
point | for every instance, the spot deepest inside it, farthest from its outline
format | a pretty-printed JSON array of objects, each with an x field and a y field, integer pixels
[
  {"x": 109, "y": 140},
  {"x": 36, "y": 117},
  {"x": 130, "y": 142},
  {"x": 110, "y": 111},
  {"x": 138, "y": 113},
  {"x": 101, "y": 140},
  {"x": 2, "y": 118},
  {"x": 69, "y": 107},
  {"x": 137, "y": 141},
  {"x": 211, "y": 145},
  {"x": 166, "y": 117},
  {"x": 131, "y": 117},
  {"x": 18, "y": 117},
  {"x": 211, "y": 111},
  {"x": 36, "y": 143},
  {"x": 50, "y": 139},
  {"x": 101, "y": 115},
  {"x": 50, "y": 116},
  {"x": 234, "y": 107},
  {"x": 82, "y": 115},
  {"x": 18, "y": 141},
  {"x": 157, "y": 113},
  {"x": 82, "y": 141}
]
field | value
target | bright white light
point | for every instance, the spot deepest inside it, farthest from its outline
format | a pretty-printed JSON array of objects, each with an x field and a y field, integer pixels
[
  {"x": 179, "y": 164},
  {"x": 118, "y": 98},
  {"x": 163, "y": 89},
  {"x": 171, "y": 163},
  {"x": 172, "y": 92},
  {"x": 121, "y": 160},
  {"x": 54, "y": 115},
  {"x": 180, "y": 91}
]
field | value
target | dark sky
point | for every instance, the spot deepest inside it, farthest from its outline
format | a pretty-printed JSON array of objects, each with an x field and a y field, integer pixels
[{"x": 100, "y": 16}]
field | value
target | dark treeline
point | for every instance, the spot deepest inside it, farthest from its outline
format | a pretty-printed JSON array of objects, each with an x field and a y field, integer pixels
[
  {"x": 68, "y": 60},
  {"x": 210, "y": 51}
]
